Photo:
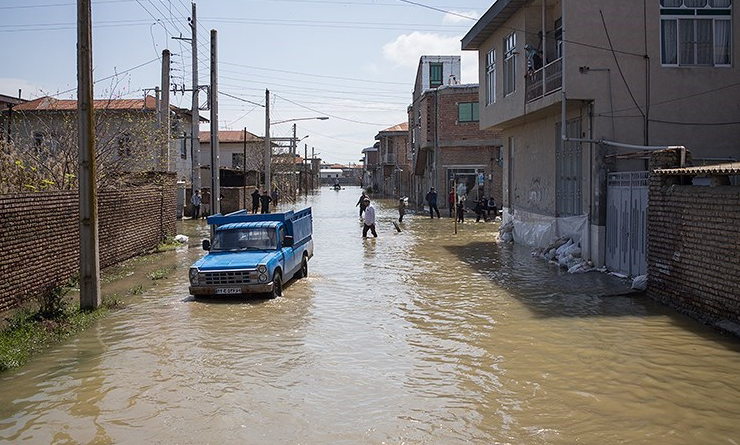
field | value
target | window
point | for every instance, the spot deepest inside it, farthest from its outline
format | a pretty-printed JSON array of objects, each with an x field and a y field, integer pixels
[
  {"x": 467, "y": 112},
  {"x": 184, "y": 147},
  {"x": 38, "y": 139},
  {"x": 125, "y": 146},
  {"x": 435, "y": 75},
  {"x": 237, "y": 161},
  {"x": 687, "y": 40},
  {"x": 510, "y": 64},
  {"x": 491, "y": 77}
]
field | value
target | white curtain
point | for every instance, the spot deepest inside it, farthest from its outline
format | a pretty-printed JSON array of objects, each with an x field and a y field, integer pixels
[
  {"x": 668, "y": 42},
  {"x": 722, "y": 41},
  {"x": 686, "y": 42},
  {"x": 704, "y": 42}
]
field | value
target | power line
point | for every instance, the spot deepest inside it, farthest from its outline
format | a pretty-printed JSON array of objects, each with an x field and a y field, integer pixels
[
  {"x": 331, "y": 115},
  {"x": 353, "y": 79},
  {"x": 239, "y": 98}
]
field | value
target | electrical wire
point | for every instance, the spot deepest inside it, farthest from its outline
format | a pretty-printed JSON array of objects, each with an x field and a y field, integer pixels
[{"x": 332, "y": 115}]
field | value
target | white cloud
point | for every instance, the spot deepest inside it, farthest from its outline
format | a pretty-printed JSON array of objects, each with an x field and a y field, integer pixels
[
  {"x": 455, "y": 19},
  {"x": 406, "y": 50}
]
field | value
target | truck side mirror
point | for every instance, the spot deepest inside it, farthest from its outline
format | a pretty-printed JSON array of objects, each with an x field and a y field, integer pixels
[
  {"x": 206, "y": 244},
  {"x": 288, "y": 241}
]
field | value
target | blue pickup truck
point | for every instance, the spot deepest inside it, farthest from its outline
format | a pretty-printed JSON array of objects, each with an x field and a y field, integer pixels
[{"x": 253, "y": 254}]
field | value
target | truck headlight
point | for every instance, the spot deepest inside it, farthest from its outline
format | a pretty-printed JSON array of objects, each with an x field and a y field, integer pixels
[
  {"x": 263, "y": 278},
  {"x": 193, "y": 275},
  {"x": 262, "y": 269}
]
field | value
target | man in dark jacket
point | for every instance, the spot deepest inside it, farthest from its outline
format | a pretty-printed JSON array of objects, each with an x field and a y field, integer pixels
[
  {"x": 432, "y": 201},
  {"x": 265, "y": 200},
  {"x": 255, "y": 200}
]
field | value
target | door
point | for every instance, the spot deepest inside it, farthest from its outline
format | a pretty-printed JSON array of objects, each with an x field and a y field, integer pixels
[{"x": 626, "y": 221}]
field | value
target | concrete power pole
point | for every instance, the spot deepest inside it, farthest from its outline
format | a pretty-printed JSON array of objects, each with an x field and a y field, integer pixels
[
  {"x": 89, "y": 250},
  {"x": 293, "y": 185},
  {"x": 215, "y": 164},
  {"x": 305, "y": 168},
  {"x": 268, "y": 143},
  {"x": 195, "y": 131},
  {"x": 164, "y": 112}
]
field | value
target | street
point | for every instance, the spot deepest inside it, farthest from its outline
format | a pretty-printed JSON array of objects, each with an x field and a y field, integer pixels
[{"x": 418, "y": 336}]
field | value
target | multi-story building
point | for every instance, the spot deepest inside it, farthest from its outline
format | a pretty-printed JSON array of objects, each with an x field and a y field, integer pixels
[
  {"x": 394, "y": 156},
  {"x": 582, "y": 89},
  {"x": 370, "y": 167},
  {"x": 448, "y": 147}
]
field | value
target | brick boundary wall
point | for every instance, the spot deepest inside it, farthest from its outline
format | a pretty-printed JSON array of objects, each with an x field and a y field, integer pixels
[
  {"x": 39, "y": 233},
  {"x": 694, "y": 249}
]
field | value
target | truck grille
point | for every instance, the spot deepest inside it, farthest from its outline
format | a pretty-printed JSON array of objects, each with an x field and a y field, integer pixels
[{"x": 226, "y": 277}]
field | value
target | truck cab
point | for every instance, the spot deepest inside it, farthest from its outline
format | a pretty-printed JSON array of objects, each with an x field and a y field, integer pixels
[{"x": 253, "y": 254}]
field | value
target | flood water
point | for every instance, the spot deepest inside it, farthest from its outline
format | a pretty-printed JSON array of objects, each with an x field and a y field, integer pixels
[{"x": 417, "y": 337}]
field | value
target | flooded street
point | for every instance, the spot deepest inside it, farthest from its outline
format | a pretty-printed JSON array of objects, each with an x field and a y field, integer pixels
[{"x": 417, "y": 337}]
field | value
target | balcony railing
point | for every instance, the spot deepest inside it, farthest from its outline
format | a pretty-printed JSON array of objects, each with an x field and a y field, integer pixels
[
  {"x": 389, "y": 158},
  {"x": 553, "y": 73}
]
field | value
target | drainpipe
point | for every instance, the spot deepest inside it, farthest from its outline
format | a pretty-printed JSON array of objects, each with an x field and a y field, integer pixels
[{"x": 562, "y": 97}]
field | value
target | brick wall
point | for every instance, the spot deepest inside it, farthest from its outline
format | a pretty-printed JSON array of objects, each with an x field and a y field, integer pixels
[
  {"x": 693, "y": 247},
  {"x": 39, "y": 233}
]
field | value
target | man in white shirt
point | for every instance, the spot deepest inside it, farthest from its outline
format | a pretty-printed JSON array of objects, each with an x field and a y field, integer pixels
[
  {"x": 195, "y": 200},
  {"x": 369, "y": 219}
]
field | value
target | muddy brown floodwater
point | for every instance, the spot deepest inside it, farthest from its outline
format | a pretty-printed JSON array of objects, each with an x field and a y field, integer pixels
[{"x": 418, "y": 337}]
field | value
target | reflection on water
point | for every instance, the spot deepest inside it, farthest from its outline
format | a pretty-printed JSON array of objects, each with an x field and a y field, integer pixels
[{"x": 421, "y": 336}]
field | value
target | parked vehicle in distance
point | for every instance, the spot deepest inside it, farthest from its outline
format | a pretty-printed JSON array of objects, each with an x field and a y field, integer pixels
[{"x": 253, "y": 254}]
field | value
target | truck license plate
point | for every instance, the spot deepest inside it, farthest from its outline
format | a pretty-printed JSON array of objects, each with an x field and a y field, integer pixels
[{"x": 228, "y": 290}]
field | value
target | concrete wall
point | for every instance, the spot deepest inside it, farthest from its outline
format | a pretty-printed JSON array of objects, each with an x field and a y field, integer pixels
[
  {"x": 693, "y": 245},
  {"x": 39, "y": 234}
]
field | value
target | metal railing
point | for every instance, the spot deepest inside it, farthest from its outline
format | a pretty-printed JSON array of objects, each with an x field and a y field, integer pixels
[{"x": 553, "y": 73}]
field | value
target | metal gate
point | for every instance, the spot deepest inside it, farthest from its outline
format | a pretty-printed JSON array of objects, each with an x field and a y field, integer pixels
[{"x": 626, "y": 222}]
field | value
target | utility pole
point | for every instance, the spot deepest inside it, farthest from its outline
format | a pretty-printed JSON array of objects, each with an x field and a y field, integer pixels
[
  {"x": 244, "y": 168},
  {"x": 89, "y": 250},
  {"x": 305, "y": 168},
  {"x": 195, "y": 131},
  {"x": 164, "y": 113},
  {"x": 313, "y": 156},
  {"x": 293, "y": 144},
  {"x": 215, "y": 164},
  {"x": 268, "y": 147}
]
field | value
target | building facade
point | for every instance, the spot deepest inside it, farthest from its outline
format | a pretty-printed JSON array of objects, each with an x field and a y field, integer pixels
[
  {"x": 394, "y": 159},
  {"x": 448, "y": 147},
  {"x": 580, "y": 108}
]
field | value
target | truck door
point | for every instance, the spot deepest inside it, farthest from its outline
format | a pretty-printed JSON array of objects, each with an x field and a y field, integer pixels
[{"x": 288, "y": 255}]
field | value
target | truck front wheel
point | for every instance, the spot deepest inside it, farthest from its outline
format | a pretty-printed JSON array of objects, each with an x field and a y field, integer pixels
[{"x": 277, "y": 285}]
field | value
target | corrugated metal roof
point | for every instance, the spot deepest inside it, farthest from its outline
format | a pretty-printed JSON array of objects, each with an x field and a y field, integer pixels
[
  {"x": 229, "y": 136},
  {"x": 47, "y": 103},
  {"x": 404, "y": 126},
  {"x": 730, "y": 168}
]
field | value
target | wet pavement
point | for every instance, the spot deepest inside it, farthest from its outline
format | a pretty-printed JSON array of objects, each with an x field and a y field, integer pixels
[{"x": 417, "y": 337}]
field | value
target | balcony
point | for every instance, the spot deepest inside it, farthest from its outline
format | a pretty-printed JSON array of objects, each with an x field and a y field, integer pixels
[{"x": 553, "y": 74}]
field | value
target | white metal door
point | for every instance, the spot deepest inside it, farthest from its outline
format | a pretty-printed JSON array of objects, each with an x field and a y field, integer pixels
[{"x": 626, "y": 220}]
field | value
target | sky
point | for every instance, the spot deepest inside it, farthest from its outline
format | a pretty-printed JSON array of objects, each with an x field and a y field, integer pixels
[{"x": 353, "y": 61}]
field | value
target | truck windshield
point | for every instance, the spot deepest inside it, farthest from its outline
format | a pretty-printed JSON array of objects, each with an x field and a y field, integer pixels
[{"x": 245, "y": 239}]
